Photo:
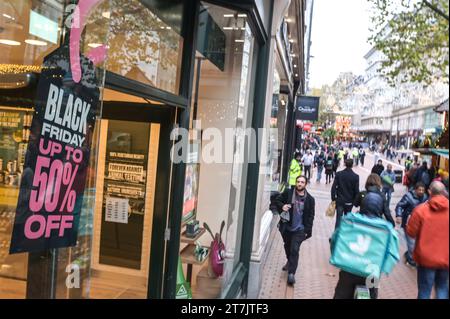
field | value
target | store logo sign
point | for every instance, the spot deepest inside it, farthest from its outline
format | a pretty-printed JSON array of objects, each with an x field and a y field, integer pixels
[{"x": 307, "y": 108}]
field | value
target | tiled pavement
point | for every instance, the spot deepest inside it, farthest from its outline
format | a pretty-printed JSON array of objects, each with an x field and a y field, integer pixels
[{"x": 316, "y": 278}]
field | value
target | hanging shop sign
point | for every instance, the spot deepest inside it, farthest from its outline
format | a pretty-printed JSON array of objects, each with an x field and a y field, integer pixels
[
  {"x": 57, "y": 156},
  {"x": 307, "y": 108}
]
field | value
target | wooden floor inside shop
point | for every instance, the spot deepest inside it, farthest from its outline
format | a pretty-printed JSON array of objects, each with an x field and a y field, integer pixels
[
  {"x": 113, "y": 285},
  {"x": 12, "y": 288}
]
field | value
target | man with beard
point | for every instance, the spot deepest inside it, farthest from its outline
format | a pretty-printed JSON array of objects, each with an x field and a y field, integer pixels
[{"x": 300, "y": 205}]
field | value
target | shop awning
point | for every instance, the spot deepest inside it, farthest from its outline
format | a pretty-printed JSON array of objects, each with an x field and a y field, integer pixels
[
  {"x": 443, "y": 107},
  {"x": 440, "y": 152}
]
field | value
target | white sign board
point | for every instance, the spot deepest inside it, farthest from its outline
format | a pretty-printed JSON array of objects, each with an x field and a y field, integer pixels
[{"x": 117, "y": 210}]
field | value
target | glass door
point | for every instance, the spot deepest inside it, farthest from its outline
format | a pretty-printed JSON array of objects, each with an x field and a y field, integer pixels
[{"x": 124, "y": 213}]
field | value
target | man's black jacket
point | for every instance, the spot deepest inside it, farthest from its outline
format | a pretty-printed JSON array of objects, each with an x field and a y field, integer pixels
[
  {"x": 345, "y": 187},
  {"x": 377, "y": 169},
  {"x": 308, "y": 210}
]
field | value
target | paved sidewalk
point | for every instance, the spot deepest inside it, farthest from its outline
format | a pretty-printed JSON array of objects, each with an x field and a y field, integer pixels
[{"x": 316, "y": 278}]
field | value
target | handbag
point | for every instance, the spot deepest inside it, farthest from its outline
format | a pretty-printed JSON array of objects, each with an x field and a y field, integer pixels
[
  {"x": 331, "y": 210},
  {"x": 217, "y": 251}
]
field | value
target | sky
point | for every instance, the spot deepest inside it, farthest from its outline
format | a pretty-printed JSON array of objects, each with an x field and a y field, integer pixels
[{"x": 340, "y": 29}]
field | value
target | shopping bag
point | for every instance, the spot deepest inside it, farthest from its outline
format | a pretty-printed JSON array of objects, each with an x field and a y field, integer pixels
[{"x": 331, "y": 210}]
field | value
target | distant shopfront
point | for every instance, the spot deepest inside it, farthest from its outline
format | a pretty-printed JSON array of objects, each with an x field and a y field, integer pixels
[{"x": 155, "y": 67}]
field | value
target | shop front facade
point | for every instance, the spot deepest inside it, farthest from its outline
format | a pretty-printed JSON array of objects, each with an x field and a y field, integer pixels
[{"x": 163, "y": 79}]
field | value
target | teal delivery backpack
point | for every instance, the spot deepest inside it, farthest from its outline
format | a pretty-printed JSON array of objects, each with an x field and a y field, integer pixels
[{"x": 364, "y": 246}]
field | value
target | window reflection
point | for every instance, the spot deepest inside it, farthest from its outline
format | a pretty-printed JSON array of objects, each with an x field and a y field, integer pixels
[{"x": 141, "y": 45}]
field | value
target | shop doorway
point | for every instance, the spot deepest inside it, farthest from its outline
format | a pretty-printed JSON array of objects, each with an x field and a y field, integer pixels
[{"x": 132, "y": 189}]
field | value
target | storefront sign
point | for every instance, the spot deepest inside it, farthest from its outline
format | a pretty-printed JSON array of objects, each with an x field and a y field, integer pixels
[
  {"x": 307, "y": 108},
  {"x": 57, "y": 158},
  {"x": 124, "y": 185}
]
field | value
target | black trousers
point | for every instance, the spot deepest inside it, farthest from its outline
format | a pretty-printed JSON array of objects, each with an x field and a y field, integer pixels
[
  {"x": 292, "y": 242},
  {"x": 341, "y": 209},
  {"x": 308, "y": 171},
  {"x": 347, "y": 283}
]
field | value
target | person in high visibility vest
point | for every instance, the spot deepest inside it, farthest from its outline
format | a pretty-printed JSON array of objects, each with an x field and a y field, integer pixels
[{"x": 295, "y": 170}]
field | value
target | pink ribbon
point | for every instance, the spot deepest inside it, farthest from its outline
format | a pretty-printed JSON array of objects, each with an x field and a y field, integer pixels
[{"x": 97, "y": 54}]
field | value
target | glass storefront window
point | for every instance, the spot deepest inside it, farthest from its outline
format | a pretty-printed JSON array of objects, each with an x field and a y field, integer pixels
[
  {"x": 143, "y": 40},
  {"x": 221, "y": 109}
]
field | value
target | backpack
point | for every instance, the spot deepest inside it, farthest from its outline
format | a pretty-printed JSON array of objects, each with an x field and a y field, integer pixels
[
  {"x": 425, "y": 178},
  {"x": 329, "y": 165},
  {"x": 364, "y": 246}
]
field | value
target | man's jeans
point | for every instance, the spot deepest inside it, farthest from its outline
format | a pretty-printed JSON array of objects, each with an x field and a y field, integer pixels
[
  {"x": 319, "y": 173},
  {"x": 410, "y": 244},
  {"x": 340, "y": 211},
  {"x": 292, "y": 242},
  {"x": 308, "y": 171},
  {"x": 387, "y": 192},
  {"x": 427, "y": 277}
]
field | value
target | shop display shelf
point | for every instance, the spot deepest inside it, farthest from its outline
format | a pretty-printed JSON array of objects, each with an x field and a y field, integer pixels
[
  {"x": 189, "y": 240},
  {"x": 188, "y": 256}
]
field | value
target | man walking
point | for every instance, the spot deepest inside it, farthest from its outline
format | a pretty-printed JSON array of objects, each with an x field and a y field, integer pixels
[
  {"x": 301, "y": 206},
  {"x": 344, "y": 190},
  {"x": 295, "y": 169},
  {"x": 388, "y": 180},
  {"x": 429, "y": 226},
  {"x": 320, "y": 163},
  {"x": 308, "y": 160},
  {"x": 362, "y": 155},
  {"x": 403, "y": 211},
  {"x": 378, "y": 168}
]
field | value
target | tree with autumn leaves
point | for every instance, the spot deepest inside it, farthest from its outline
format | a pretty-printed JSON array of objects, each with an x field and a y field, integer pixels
[{"x": 413, "y": 36}]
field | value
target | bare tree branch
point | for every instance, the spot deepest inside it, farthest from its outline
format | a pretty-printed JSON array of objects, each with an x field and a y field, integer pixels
[{"x": 436, "y": 9}]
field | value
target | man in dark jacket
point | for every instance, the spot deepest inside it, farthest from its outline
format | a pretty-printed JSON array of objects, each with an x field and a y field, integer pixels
[
  {"x": 378, "y": 168},
  {"x": 423, "y": 175},
  {"x": 403, "y": 211},
  {"x": 344, "y": 190},
  {"x": 301, "y": 208}
]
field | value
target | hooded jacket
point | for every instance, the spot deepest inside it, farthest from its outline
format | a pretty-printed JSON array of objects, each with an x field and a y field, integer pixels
[
  {"x": 373, "y": 204},
  {"x": 406, "y": 205},
  {"x": 429, "y": 225}
]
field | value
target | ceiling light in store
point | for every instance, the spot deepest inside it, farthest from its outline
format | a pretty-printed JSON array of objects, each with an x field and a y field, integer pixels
[
  {"x": 94, "y": 45},
  {"x": 293, "y": 55},
  {"x": 291, "y": 41},
  {"x": 8, "y": 16},
  {"x": 242, "y": 15},
  {"x": 296, "y": 74},
  {"x": 168, "y": 28},
  {"x": 288, "y": 20},
  {"x": 228, "y": 15},
  {"x": 238, "y": 40},
  {"x": 35, "y": 42},
  {"x": 106, "y": 14},
  {"x": 243, "y": 29},
  {"x": 295, "y": 65},
  {"x": 9, "y": 42},
  {"x": 228, "y": 28}
]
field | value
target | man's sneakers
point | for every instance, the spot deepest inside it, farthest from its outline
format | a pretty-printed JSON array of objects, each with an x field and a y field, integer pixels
[
  {"x": 291, "y": 279},
  {"x": 285, "y": 267},
  {"x": 409, "y": 261}
]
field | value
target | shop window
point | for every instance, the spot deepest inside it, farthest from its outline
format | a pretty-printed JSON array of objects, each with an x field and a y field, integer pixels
[
  {"x": 31, "y": 32},
  {"x": 215, "y": 187},
  {"x": 143, "y": 39}
]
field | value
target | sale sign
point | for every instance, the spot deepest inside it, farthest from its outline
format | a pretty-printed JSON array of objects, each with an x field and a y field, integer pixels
[{"x": 57, "y": 157}]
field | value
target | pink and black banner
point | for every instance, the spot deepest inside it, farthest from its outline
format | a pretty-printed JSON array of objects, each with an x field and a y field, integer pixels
[{"x": 57, "y": 158}]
